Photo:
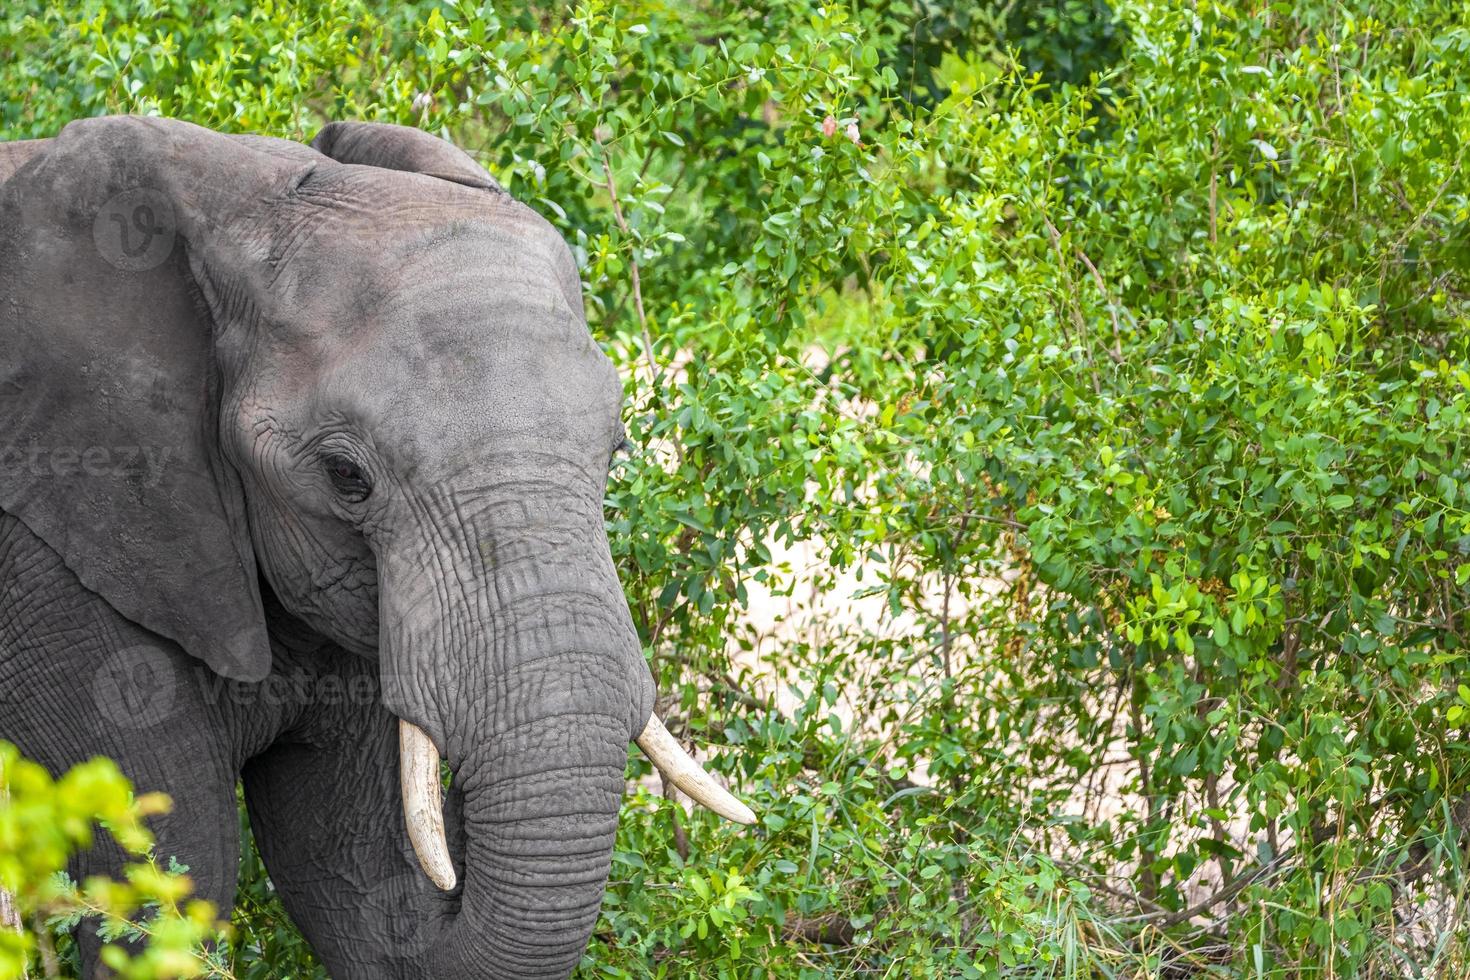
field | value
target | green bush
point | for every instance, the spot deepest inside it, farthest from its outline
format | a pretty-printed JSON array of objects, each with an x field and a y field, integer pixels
[
  {"x": 148, "y": 925},
  {"x": 1118, "y": 356}
]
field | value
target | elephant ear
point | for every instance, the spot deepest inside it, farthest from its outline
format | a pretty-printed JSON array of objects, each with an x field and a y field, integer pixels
[
  {"x": 108, "y": 373},
  {"x": 401, "y": 148}
]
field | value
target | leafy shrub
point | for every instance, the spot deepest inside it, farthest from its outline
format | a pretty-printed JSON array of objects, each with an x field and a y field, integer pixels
[
  {"x": 148, "y": 925},
  {"x": 1110, "y": 366}
]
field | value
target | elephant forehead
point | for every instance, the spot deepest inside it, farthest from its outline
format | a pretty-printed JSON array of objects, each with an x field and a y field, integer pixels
[
  {"x": 344, "y": 271},
  {"x": 501, "y": 371},
  {"x": 457, "y": 291},
  {"x": 443, "y": 332}
]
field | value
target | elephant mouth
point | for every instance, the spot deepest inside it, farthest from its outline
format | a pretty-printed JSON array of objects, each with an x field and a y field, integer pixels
[{"x": 423, "y": 809}]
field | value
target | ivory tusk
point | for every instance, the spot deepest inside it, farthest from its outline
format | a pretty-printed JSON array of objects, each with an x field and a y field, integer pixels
[
  {"x": 423, "y": 803},
  {"x": 681, "y": 770}
]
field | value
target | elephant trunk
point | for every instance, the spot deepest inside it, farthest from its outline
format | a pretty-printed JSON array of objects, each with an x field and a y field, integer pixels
[
  {"x": 508, "y": 650},
  {"x": 507, "y": 647},
  {"x": 540, "y": 816}
]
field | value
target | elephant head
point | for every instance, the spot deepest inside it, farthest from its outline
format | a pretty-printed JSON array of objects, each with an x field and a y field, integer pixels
[{"x": 357, "y": 375}]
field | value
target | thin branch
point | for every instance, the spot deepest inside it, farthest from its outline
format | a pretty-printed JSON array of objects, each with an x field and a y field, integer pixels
[
  {"x": 1076, "y": 311},
  {"x": 1214, "y": 184},
  {"x": 9, "y": 906},
  {"x": 1116, "y": 351},
  {"x": 681, "y": 839},
  {"x": 634, "y": 275},
  {"x": 1164, "y": 920}
]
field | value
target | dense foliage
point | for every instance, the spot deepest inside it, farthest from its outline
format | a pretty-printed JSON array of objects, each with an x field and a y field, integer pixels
[
  {"x": 43, "y": 821},
  {"x": 1089, "y": 387}
]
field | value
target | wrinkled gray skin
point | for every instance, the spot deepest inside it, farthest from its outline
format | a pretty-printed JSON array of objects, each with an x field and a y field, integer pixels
[{"x": 372, "y": 310}]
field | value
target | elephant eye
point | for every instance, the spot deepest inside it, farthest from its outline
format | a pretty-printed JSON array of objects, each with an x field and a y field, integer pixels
[{"x": 347, "y": 477}]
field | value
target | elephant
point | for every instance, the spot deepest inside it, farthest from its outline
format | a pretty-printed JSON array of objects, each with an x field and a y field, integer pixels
[{"x": 303, "y": 450}]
